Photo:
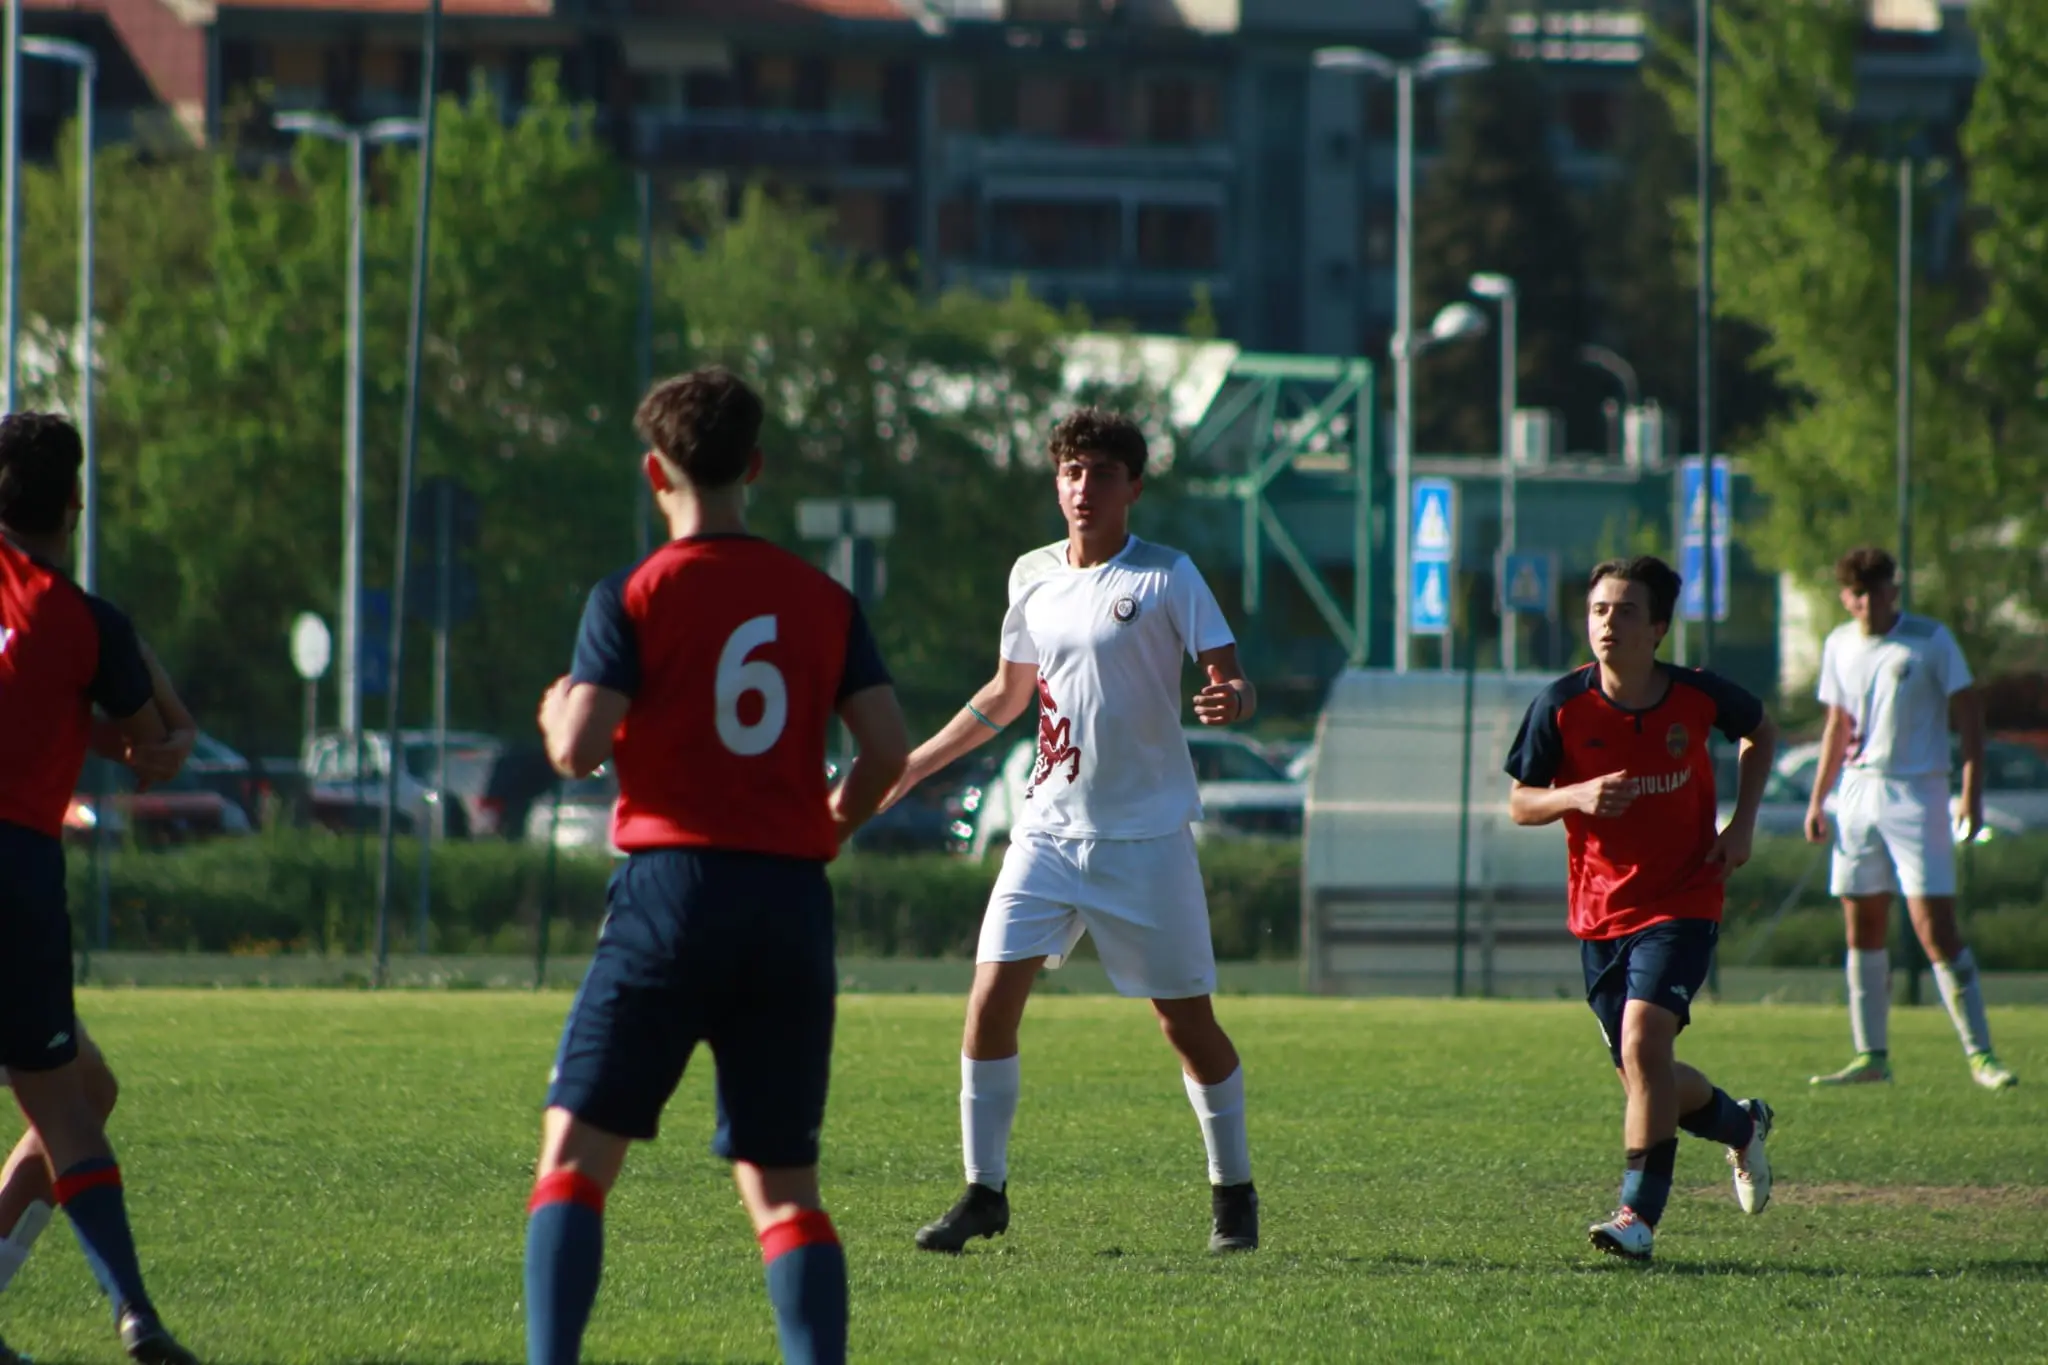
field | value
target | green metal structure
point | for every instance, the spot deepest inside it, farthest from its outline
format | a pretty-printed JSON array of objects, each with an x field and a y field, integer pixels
[{"x": 1281, "y": 417}]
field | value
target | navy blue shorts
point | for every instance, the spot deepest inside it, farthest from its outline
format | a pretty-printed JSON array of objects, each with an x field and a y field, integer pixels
[
  {"x": 38, "y": 1024},
  {"x": 1665, "y": 964},
  {"x": 733, "y": 950}
]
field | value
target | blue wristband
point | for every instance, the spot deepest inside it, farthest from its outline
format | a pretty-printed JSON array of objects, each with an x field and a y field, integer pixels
[{"x": 980, "y": 717}]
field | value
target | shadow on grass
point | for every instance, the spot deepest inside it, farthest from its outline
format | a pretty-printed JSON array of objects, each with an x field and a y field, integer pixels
[{"x": 2013, "y": 1270}]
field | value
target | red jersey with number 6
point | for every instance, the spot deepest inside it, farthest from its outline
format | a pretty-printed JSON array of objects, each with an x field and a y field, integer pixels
[{"x": 736, "y": 655}]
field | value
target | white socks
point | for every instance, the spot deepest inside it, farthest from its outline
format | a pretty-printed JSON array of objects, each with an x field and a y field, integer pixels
[
  {"x": 988, "y": 1106},
  {"x": 15, "y": 1246},
  {"x": 1965, "y": 1001},
  {"x": 1220, "y": 1107},
  {"x": 1870, "y": 997}
]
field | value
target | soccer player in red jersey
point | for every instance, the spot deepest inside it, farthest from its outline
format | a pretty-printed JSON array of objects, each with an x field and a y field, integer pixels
[
  {"x": 708, "y": 676},
  {"x": 1618, "y": 751},
  {"x": 62, "y": 652}
]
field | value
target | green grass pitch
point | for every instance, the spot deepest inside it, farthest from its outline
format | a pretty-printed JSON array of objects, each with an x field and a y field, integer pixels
[{"x": 341, "y": 1177}]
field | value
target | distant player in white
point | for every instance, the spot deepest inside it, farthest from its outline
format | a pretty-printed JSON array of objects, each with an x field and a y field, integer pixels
[
  {"x": 1095, "y": 632},
  {"x": 1893, "y": 683}
]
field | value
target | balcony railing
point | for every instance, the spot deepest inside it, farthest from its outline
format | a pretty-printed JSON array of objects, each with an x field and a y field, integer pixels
[{"x": 758, "y": 137}]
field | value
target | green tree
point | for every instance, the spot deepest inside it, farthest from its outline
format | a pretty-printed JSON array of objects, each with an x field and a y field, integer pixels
[
  {"x": 1494, "y": 203},
  {"x": 1806, "y": 243}
]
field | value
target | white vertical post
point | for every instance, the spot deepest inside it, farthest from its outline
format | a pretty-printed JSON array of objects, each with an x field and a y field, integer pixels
[{"x": 1404, "y": 356}]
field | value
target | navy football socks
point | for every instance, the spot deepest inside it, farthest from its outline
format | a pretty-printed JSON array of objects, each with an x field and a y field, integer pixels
[
  {"x": 1647, "y": 1188},
  {"x": 1720, "y": 1120},
  {"x": 806, "y": 1272},
  {"x": 564, "y": 1259},
  {"x": 90, "y": 1193}
]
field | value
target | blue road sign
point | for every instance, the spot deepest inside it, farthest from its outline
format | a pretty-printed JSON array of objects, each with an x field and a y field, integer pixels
[
  {"x": 1429, "y": 607},
  {"x": 1692, "y": 556},
  {"x": 1433, "y": 533},
  {"x": 374, "y": 642},
  {"x": 1528, "y": 582}
]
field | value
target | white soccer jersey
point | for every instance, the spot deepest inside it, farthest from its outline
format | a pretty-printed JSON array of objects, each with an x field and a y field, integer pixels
[
  {"x": 1895, "y": 687},
  {"x": 1108, "y": 642}
]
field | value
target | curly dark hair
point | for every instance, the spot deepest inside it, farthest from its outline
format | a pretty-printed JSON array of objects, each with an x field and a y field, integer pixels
[
  {"x": 1866, "y": 568},
  {"x": 1654, "y": 574},
  {"x": 40, "y": 456},
  {"x": 706, "y": 423},
  {"x": 1098, "y": 431}
]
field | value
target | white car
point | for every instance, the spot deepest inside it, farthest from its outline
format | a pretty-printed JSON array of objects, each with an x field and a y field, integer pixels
[
  {"x": 2015, "y": 781},
  {"x": 1244, "y": 796},
  {"x": 576, "y": 815},
  {"x": 342, "y": 792}
]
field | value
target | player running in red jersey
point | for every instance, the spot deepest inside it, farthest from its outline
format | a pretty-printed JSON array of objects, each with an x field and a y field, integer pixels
[
  {"x": 62, "y": 652},
  {"x": 708, "y": 676},
  {"x": 1618, "y": 751}
]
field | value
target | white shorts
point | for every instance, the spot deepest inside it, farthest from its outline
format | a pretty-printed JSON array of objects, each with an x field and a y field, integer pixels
[
  {"x": 1893, "y": 834},
  {"x": 1141, "y": 898}
]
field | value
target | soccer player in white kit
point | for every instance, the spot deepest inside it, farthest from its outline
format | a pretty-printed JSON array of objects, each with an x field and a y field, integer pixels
[
  {"x": 1095, "y": 631},
  {"x": 1893, "y": 682}
]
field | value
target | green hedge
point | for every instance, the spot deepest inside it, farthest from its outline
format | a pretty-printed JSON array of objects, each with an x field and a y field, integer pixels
[
  {"x": 303, "y": 892},
  {"x": 309, "y": 892}
]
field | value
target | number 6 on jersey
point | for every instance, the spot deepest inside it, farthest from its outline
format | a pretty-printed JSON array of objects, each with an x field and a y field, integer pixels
[{"x": 737, "y": 676}]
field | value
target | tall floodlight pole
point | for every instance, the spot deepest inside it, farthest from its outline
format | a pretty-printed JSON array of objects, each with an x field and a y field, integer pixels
[
  {"x": 1447, "y": 60},
  {"x": 355, "y": 140},
  {"x": 10, "y": 213},
  {"x": 387, "y": 878},
  {"x": 1704, "y": 60},
  {"x": 1502, "y": 289},
  {"x": 1905, "y": 385}
]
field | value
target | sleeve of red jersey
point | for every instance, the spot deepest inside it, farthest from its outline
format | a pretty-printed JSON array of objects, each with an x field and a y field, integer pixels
[
  {"x": 863, "y": 667},
  {"x": 1196, "y": 612},
  {"x": 607, "y": 642},
  {"x": 1737, "y": 710},
  {"x": 1538, "y": 750},
  {"x": 121, "y": 685}
]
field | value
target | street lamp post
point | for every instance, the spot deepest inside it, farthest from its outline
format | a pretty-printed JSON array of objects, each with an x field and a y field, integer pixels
[
  {"x": 10, "y": 210},
  {"x": 80, "y": 56},
  {"x": 355, "y": 139},
  {"x": 1502, "y": 289},
  {"x": 1443, "y": 61}
]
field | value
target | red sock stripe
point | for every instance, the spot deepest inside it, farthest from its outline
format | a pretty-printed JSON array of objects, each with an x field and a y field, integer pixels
[
  {"x": 69, "y": 1187},
  {"x": 812, "y": 1227},
  {"x": 567, "y": 1187}
]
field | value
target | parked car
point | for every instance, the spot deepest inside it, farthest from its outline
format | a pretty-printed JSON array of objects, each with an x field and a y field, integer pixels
[
  {"x": 179, "y": 811},
  {"x": 2015, "y": 780},
  {"x": 345, "y": 794},
  {"x": 576, "y": 813},
  {"x": 1243, "y": 794}
]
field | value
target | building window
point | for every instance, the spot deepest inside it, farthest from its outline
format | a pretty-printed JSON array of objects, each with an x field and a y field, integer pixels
[
  {"x": 1376, "y": 234},
  {"x": 1179, "y": 110},
  {"x": 957, "y": 229},
  {"x": 856, "y": 90},
  {"x": 660, "y": 92},
  {"x": 298, "y": 72},
  {"x": 710, "y": 90},
  {"x": 998, "y": 105},
  {"x": 1589, "y": 114},
  {"x": 1061, "y": 235},
  {"x": 775, "y": 83},
  {"x": 1040, "y": 106},
  {"x": 1085, "y": 111},
  {"x": 1382, "y": 111},
  {"x": 957, "y": 103},
  {"x": 860, "y": 221},
  {"x": 1177, "y": 238}
]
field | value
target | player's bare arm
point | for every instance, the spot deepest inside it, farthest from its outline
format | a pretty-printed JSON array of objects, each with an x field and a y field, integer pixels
[
  {"x": 1966, "y": 718},
  {"x": 1603, "y": 797},
  {"x": 988, "y": 712},
  {"x": 882, "y": 738},
  {"x": 1834, "y": 747},
  {"x": 577, "y": 722},
  {"x": 162, "y": 762},
  {"x": 1753, "y": 760},
  {"x": 1229, "y": 696}
]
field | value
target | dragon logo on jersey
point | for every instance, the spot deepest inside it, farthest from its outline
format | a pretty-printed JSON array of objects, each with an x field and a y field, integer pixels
[
  {"x": 1676, "y": 740},
  {"x": 1055, "y": 741},
  {"x": 1902, "y": 670},
  {"x": 1125, "y": 610}
]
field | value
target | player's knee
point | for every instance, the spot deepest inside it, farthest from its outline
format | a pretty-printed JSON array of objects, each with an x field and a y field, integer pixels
[
  {"x": 102, "y": 1090},
  {"x": 1646, "y": 1048}
]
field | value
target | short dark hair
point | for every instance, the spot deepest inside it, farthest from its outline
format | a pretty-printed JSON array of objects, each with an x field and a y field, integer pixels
[
  {"x": 1865, "y": 568},
  {"x": 705, "y": 423},
  {"x": 1654, "y": 574},
  {"x": 1098, "y": 431},
  {"x": 40, "y": 456}
]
